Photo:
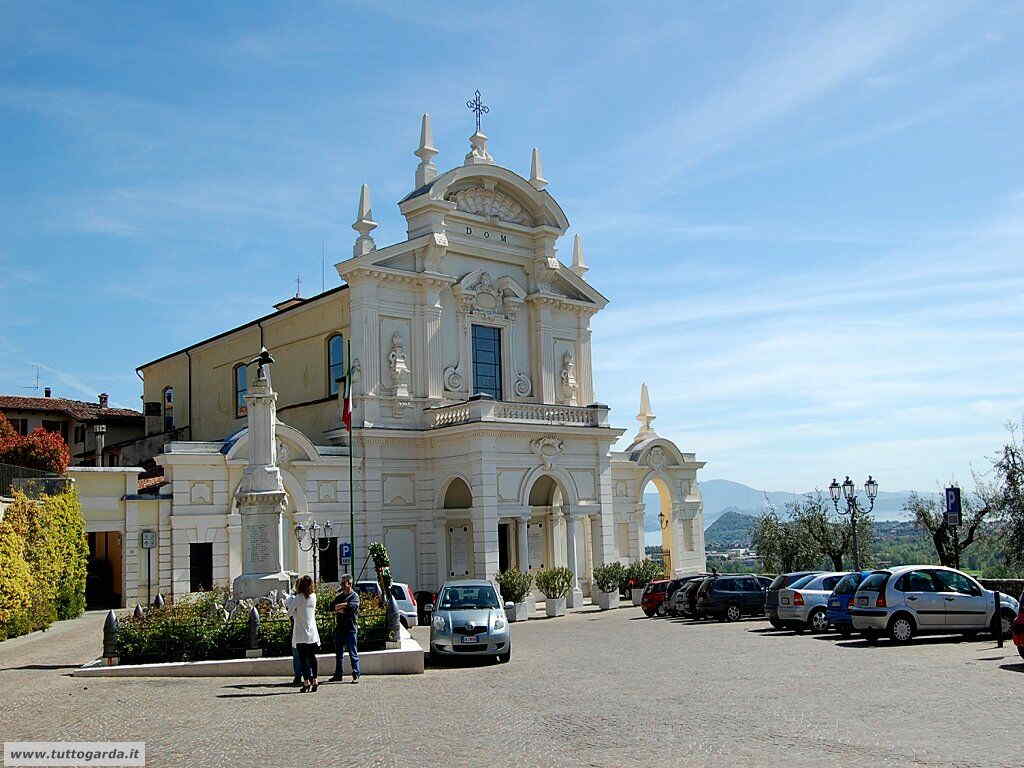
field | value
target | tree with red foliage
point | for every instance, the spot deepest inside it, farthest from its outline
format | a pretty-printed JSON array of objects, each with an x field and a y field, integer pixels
[{"x": 39, "y": 450}]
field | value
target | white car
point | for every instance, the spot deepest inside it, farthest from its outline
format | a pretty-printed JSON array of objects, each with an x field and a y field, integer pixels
[
  {"x": 804, "y": 603},
  {"x": 927, "y": 599}
]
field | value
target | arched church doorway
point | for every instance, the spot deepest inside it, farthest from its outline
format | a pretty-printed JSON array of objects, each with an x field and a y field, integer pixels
[
  {"x": 458, "y": 544},
  {"x": 546, "y": 500}
]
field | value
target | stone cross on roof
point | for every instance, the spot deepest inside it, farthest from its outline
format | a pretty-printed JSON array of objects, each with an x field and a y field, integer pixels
[{"x": 476, "y": 106}]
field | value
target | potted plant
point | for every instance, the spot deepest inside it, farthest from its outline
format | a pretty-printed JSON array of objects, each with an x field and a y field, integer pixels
[
  {"x": 639, "y": 574},
  {"x": 607, "y": 579},
  {"x": 515, "y": 589},
  {"x": 555, "y": 583}
]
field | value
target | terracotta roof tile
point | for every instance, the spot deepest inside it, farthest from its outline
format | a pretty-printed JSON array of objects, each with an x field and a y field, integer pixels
[{"x": 76, "y": 409}]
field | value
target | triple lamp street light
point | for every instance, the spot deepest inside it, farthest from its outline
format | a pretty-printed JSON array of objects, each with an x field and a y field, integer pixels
[
  {"x": 314, "y": 538},
  {"x": 849, "y": 492}
]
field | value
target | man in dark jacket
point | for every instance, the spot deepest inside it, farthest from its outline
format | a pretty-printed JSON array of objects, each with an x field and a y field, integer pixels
[{"x": 346, "y": 611}]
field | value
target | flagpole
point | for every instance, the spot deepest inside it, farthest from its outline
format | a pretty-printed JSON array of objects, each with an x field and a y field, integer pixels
[{"x": 351, "y": 449}]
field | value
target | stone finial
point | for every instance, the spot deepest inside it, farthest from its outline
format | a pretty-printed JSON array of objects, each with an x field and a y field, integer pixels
[
  {"x": 426, "y": 171},
  {"x": 109, "y": 632},
  {"x": 537, "y": 180},
  {"x": 478, "y": 154},
  {"x": 645, "y": 417},
  {"x": 577, "y": 256},
  {"x": 364, "y": 225},
  {"x": 138, "y": 613}
]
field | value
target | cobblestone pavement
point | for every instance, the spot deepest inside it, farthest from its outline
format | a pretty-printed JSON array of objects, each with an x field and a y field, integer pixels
[{"x": 593, "y": 689}]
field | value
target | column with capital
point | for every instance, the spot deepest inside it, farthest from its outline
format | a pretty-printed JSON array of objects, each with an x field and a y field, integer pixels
[
  {"x": 575, "y": 597},
  {"x": 441, "y": 543},
  {"x": 523, "y": 542}
]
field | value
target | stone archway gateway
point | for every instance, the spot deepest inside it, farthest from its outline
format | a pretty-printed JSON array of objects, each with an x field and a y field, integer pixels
[{"x": 652, "y": 459}]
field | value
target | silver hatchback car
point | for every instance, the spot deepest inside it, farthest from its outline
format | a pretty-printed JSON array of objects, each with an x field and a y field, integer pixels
[
  {"x": 469, "y": 618},
  {"x": 927, "y": 599}
]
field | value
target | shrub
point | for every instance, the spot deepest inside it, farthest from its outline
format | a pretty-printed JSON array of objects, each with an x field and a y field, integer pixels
[
  {"x": 515, "y": 585},
  {"x": 609, "y": 577},
  {"x": 41, "y": 449},
  {"x": 554, "y": 582},
  {"x": 640, "y": 573},
  {"x": 195, "y": 629},
  {"x": 43, "y": 556}
]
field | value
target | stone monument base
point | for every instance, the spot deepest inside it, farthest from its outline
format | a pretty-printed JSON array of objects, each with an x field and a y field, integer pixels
[{"x": 256, "y": 585}]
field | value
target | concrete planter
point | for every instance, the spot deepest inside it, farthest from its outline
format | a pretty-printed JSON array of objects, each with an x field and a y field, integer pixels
[
  {"x": 555, "y": 606},
  {"x": 637, "y": 594},
  {"x": 518, "y": 612},
  {"x": 607, "y": 600}
]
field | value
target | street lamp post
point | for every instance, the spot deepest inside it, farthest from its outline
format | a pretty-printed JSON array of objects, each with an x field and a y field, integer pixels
[
  {"x": 849, "y": 493},
  {"x": 314, "y": 538}
]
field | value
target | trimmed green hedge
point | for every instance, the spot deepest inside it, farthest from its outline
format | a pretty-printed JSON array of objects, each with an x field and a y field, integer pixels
[
  {"x": 196, "y": 629},
  {"x": 43, "y": 556}
]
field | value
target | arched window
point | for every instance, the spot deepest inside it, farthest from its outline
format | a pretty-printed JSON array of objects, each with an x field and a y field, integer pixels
[
  {"x": 168, "y": 408},
  {"x": 241, "y": 376},
  {"x": 335, "y": 363}
]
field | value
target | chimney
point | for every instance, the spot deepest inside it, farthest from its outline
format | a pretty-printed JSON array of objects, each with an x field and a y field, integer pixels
[
  {"x": 47, "y": 392},
  {"x": 104, "y": 399}
]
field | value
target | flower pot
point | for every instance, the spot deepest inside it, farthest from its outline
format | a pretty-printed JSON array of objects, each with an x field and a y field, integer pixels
[
  {"x": 555, "y": 606},
  {"x": 607, "y": 600},
  {"x": 518, "y": 612},
  {"x": 637, "y": 594}
]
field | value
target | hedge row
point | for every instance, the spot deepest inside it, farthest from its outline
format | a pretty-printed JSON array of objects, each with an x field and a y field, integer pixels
[
  {"x": 197, "y": 628},
  {"x": 43, "y": 556}
]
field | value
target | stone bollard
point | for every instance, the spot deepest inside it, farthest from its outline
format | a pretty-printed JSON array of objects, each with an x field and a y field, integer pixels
[
  {"x": 158, "y": 602},
  {"x": 138, "y": 613},
  {"x": 254, "y": 650},
  {"x": 109, "y": 630}
]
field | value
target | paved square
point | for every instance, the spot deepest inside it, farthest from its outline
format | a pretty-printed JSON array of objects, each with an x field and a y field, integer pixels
[{"x": 594, "y": 689}]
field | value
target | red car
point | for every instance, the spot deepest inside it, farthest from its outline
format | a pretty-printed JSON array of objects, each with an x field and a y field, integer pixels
[
  {"x": 653, "y": 598},
  {"x": 1018, "y": 631}
]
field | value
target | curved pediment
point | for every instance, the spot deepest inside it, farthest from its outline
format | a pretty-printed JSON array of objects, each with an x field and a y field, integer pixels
[
  {"x": 656, "y": 453},
  {"x": 291, "y": 445},
  {"x": 496, "y": 193}
]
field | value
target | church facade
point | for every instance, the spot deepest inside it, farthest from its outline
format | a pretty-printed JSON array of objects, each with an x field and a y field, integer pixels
[{"x": 478, "y": 442}]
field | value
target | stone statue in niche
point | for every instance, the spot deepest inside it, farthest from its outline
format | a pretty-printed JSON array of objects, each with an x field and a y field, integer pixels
[
  {"x": 567, "y": 387},
  {"x": 400, "y": 373}
]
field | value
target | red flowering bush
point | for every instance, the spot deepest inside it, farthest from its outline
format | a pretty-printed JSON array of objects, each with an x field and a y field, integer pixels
[{"x": 39, "y": 450}]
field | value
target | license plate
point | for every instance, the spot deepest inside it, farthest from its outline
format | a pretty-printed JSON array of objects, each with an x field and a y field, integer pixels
[
  {"x": 469, "y": 639},
  {"x": 785, "y": 601},
  {"x": 834, "y": 603},
  {"x": 862, "y": 601}
]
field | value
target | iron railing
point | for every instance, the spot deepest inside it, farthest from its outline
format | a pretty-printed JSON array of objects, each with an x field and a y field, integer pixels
[{"x": 32, "y": 482}]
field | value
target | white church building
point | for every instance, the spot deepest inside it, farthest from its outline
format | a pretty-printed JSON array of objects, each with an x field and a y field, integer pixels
[{"x": 478, "y": 440}]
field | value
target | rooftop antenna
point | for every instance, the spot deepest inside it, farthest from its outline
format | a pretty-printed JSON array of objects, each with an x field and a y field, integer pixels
[
  {"x": 35, "y": 386},
  {"x": 298, "y": 286}
]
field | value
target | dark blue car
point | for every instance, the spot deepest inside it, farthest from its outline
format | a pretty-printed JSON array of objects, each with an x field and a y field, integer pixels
[{"x": 839, "y": 602}]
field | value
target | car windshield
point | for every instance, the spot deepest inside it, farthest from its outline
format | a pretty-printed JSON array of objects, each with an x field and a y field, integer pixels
[
  {"x": 468, "y": 598},
  {"x": 874, "y": 583},
  {"x": 801, "y": 581},
  {"x": 398, "y": 592}
]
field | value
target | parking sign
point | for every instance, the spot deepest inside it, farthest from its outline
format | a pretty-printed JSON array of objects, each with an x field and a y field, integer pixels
[{"x": 953, "y": 506}]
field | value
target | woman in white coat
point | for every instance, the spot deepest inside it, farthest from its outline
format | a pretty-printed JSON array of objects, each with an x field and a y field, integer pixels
[{"x": 301, "y": 607}]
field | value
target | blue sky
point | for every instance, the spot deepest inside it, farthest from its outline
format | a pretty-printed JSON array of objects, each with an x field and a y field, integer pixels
[{"x": 809, "y": 216}]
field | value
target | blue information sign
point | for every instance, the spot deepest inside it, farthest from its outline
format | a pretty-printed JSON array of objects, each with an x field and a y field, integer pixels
[
  {"x": 345, "y": 550},
  {"x": 953, "y": 506}
]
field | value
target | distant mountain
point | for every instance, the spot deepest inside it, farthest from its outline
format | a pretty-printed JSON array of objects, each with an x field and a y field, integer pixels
[
  {"x": 722, "y": 495},
  {"x": 731, "y": 529}
]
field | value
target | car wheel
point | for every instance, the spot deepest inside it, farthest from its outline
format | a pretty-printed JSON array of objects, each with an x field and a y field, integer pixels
[
  {"x": 1020, "y": 650},
  {"x": 818, "y": 621},
  {"x": 662, "y": 609},
  {"x": 732, "y": 613},
  {"x": 648, "y": 612},
  {"x": 503, "y": 658},
  {"x": 901, "y": 628},
  {"x": 776, "y": 623}
]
